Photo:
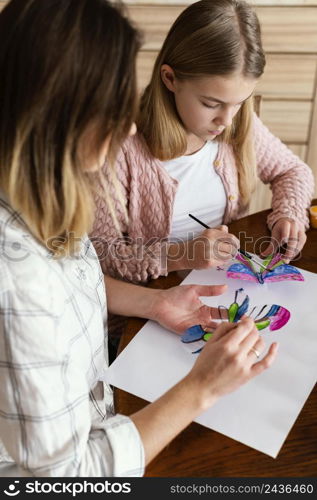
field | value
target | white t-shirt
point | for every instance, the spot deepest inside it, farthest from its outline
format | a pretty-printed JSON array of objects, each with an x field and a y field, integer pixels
[{"x": 200, "y": 192}]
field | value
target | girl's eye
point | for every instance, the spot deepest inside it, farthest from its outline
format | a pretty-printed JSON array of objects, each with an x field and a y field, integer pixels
[{"x": 210, "y": 106}]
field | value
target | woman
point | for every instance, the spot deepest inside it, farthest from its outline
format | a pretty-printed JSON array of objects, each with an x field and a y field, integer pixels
[{"x": 67, "y": 100}]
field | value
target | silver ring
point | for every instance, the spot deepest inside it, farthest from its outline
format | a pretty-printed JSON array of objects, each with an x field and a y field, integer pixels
[{"x": 255, "y": 352}]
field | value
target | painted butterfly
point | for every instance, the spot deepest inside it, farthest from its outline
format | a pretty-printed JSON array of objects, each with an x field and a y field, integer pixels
[
  {"x": 276, "y": 270},
  {"x": 272, "y": 316}
]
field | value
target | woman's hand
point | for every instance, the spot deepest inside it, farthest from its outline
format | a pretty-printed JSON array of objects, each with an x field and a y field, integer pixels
[
  {"x": 228, "y": 361},
  {"x": 289, "y": 233},
  {"x": 176, "y": 309},
  {"x": 211, "y": 248},
  {"x": 180, "y": 307}
]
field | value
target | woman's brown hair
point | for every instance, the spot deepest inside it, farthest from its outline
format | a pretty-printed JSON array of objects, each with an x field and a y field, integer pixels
[
  {"x": 210, "y": 37},
  {"x": 68, "y": 67}
]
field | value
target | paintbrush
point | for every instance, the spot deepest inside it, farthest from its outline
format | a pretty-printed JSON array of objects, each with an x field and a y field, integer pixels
[{"x": 243, "y": 252}]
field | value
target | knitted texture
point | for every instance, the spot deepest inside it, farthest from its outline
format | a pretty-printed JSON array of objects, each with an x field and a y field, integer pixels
[{"x": 140, "y": 254}]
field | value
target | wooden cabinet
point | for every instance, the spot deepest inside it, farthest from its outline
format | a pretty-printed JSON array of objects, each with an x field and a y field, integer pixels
[{"x": 288, "y": 87}]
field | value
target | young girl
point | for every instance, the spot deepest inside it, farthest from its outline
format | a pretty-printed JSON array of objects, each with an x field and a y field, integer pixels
[
  {"x": 198, "y": 150},
  {"x": 67, "y": 97}
]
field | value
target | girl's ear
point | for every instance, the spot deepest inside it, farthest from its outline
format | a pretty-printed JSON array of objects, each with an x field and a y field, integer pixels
[{"x": 168, "y": 77}]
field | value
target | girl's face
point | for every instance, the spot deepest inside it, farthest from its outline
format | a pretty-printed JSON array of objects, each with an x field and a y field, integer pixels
[{"x": 208, "y": 105}]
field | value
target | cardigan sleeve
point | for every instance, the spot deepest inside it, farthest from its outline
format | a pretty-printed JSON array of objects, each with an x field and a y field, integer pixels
[
  {"x": 137, "y": 258},
  {"x": 291, "y": 180}
]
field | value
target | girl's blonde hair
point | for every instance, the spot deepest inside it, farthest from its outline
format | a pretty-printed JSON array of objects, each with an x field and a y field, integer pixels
[
  {"x": 68, "y": 67},
  {"x": 210, "y": 37}
]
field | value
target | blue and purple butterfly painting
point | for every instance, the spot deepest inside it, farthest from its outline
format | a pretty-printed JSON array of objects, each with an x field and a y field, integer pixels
[
  {"x": 272, "y": 316},
  {"x": 274, "y": 269}
]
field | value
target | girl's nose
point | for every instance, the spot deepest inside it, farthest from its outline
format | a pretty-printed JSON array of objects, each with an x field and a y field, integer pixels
[{"x": 225, "y": 117}]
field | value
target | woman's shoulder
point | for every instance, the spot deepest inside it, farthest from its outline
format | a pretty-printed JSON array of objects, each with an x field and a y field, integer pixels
[{"x": 25, "y": 264}]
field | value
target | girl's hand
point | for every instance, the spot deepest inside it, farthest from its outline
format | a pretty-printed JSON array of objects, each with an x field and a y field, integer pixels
[
  {"x": 227, "y": 360},
  {"x": 289, "y": 233},
  {"x": 211, "y": 248},
  {"x": 180, "y": 307}
]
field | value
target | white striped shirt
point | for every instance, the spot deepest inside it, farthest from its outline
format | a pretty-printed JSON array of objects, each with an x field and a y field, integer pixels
[{"x": 56, "y": 417}]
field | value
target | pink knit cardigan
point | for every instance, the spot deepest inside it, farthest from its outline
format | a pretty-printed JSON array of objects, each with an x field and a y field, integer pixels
[{"x": 150, "y": 193}]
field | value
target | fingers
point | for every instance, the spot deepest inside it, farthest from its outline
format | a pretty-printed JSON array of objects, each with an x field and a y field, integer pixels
[
  {"x": 288, "y": 238},
  {"x": 223, "y": 228},
  {"x": 223, "y": 243},
  {"x": 210, "y": 326},
  {"x": 238, "y": 331},
  {"x": 294, "y": 244},
  {"x": 228, "y": 245},
  {"x": 290, "y": 250},
  {"x": 209, "y": 290},
  {"x": 223, "y": 329},
  {"x": 223, "y": 313},
  {"x": 270, "y": 249},
  {"x": 256, "y": 350},
  {"x": 280, "y": 235},
  {"x": 219, "y": 313},
  {"x": 243, "y": 330},
  {"x": 289, "y": 234},
  {"x": 214, "y": 313},
  {"x": 207, "y": 317},
  {"x": 266, "y": 362},
  {"x": 224, "y": 250},
  {"x": 250, "y": 340},
  {"x": 302, "y": 238}
]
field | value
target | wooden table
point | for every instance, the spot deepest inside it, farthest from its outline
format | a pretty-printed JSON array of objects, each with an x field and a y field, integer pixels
[{"x": 201, "y": 452}]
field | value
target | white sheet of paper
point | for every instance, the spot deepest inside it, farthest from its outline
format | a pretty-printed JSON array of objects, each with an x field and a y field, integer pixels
[{"x": 261, "y": 413}]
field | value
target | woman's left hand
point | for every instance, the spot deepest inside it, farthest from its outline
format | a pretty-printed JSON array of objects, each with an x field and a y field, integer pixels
[
  {"x": 180, "y": 307},
  {"x": 289, "y": 233}
]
